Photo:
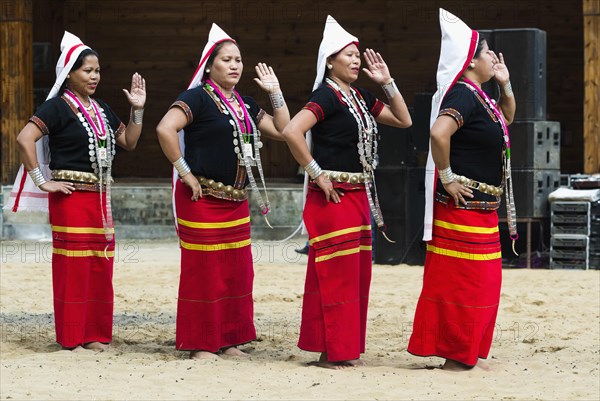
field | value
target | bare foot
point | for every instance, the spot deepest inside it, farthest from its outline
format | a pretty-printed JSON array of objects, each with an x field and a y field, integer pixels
[
  {"x": 96, "y": 346},
  {"x": 338, "y": 365},
  {"x": 233, "y": 351},
  {"x": 203, "y": 355},
  {"x": 357, "y": 362},
  {"x": 454, "y": 366},
  {"x": 79, "y": 348},
  {"x": 483, "y": 365}
]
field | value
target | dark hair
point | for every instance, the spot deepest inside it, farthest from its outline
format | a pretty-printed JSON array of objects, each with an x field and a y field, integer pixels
[
  {"x": 480, "y": 44},
  {"x": 77, "y": 65},
  {"x": 213, "y": 55}
]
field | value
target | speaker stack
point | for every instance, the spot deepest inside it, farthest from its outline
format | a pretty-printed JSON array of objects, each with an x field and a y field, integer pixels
[
  {"x": 535, "y": 142},
  {"x": 401, "y": 189}
]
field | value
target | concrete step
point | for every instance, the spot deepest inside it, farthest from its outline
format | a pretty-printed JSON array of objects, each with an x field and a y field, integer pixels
[{"x": 144, "y": 211}]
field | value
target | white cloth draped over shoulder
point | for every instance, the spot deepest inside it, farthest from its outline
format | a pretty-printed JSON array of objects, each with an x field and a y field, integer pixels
[
  {"x": 459, "y": 43},
  {"x": 25, "y": 196}
]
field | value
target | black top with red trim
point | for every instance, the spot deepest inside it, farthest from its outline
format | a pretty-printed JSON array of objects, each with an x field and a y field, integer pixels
[
  {"x": 335, "y": 135},
  {"x": 476, "y": 148},
  {"x": 68, "y": 139},
  {"x": 209, "y": 135}
]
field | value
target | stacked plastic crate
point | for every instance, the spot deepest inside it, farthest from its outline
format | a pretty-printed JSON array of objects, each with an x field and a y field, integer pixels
[{"x": 575, "y": 228}]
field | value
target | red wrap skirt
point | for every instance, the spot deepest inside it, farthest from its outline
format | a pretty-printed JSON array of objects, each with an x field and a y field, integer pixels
[
  {"x": 456, "y": 312},
  {"x": 82, "y": 269},
  {"x": 215, "y": 306},
  {"x": 338, "y": 275}
]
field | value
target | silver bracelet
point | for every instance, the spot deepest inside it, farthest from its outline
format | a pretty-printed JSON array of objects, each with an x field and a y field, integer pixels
[
  {"x": 182, "y": 166},
  {"x": 313, "y": 169},
  {"x": 276, "y": 100},
  {"x": 446, "y": 175},
  {"x": 137, "y": 116},
  {"x": 37, "y": 176},
  {"x": 390, "y": 89},
  {"x": 508, "y": 92}
]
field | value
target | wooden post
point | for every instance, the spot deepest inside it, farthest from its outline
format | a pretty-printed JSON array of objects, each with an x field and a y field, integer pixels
[
  {"x": 591, "y": 105},
  {"x": 16, "y": 80}
]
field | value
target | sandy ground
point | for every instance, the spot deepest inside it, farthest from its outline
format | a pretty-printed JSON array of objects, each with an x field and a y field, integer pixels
[{"x": 547, "y": 342}]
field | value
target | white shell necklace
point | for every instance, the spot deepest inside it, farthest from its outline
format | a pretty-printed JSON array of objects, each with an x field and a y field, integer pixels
[
  {"x": 367, "y": 126},
  {"x": 248, "y": 155},
  {"x": 367, "y": 147}
]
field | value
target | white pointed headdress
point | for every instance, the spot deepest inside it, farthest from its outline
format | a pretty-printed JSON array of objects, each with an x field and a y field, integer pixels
[
  {"x": 215, "y": 36},
  {"x": 459, "y": 43},
  {"x": 71, "y": 47},
  {"x": 335, "y": 38}
]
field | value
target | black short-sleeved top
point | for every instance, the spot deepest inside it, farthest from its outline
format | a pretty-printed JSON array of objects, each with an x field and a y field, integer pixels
[
  {"x": 209, "y": 135},
  {"x": 335, "y": 135},
  {"x": 68, "y": 139},
  {"x": 476, "y": 149}
]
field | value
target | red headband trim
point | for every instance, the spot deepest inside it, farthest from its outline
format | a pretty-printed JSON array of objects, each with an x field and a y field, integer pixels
[{"x": 71, "y": 50}]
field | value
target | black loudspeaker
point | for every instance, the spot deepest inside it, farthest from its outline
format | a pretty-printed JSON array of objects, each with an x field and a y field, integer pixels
[
  {"x": 524, "y": 52},
  {"x": 531, "y": 190},
  {"x": 490, "y": 86},
  {"x": 395, "y": 148},
  {"x": 402, "y": 199},
  {"x": 535, "y": 145},
  {"x": 488, "y": 35},
  {"x": 540, "y": 244}
]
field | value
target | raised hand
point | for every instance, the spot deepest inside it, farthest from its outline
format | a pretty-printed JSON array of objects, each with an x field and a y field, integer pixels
[
  {"x": 267, "y": 80},
  {"x": 376, "y": 69},
  {"x": 501, "y": 74},
  {"x": 137, "y": 95}
]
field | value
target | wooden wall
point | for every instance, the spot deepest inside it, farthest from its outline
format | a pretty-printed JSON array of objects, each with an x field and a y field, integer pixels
[
  {"x": 15, "y": 81},
  {"x": 163, "y": 41},
  {"x": 591, "y": 124}
]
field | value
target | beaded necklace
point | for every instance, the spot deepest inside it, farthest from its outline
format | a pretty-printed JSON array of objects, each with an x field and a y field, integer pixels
[
  {"x": 367, "y": 126},
  {"x": 101, "y": 150},
  {"x": 244, "y": 129},
  {"x": 367, "y": 147},
  {"x": 511, "y": 213}
]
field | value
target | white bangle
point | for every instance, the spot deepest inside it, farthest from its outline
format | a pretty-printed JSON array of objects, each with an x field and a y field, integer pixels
[
  {"x": 182, "y": 166},
  {"x": 137, "y": 116},
  {"x": 507, "y": 88},
  {"x": 313, "y": 169},
  {"x": 446, "y": 175},
  {"x": 276, "y": 100},
  {"x": 390, "y": 89},
  {"x": 37, "y": 176}
]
